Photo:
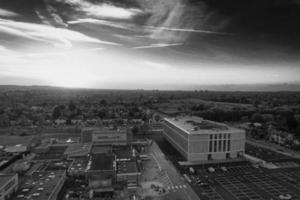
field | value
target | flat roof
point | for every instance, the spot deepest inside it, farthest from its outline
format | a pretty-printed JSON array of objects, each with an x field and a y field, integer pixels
[
  {"x": 197, "y": 125},
  {"x": 123, "y": 153},
  {"x": 79, "y": 164},
  {"x": 101, "y": 130},
  {"x": 78, "y": 148},
  {"x": 100, "y": 149},
  {"x": 4, "y": 178},
  {"x": 39, "y": 185},
  {"x": 102, "y": 162},
  {"x": 125, "y": 167}
]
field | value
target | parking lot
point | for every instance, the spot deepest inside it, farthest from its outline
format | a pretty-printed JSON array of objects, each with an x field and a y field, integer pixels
[{"x": 242, "y": 180}]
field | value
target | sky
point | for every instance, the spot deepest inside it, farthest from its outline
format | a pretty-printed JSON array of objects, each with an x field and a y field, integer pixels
[{"x": 149, "y": 44}]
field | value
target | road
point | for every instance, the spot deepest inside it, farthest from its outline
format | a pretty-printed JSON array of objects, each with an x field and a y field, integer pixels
[{"x": 178, "y": 188}]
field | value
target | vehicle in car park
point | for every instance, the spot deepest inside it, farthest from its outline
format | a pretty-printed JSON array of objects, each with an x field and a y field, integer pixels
[
  {"x": 224, "y": 169},
  {"x": 285, "y": 196},
  {"x": 202, "y": 184},
  {"x": 211, "y": 170}
]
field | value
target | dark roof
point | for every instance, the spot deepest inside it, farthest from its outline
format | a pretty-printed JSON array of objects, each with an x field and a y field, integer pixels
[
  {"x": 100, "y": 149},
  {"x": 102, "y": 162},
  {"x": 123, "y": 154},
  {"x": 127, "y": 167},
  {"x": 4, "y": 178}
]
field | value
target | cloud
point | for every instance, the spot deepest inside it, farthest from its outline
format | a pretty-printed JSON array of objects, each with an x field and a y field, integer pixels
[
  {"x": 154, "y": 29},
  {"x": 104, "y": 10},
  {"x": 7, "y": 13},
  {"x": 100, "y": 22},
  {"x": 60, "y": 37},
  {"x": 158, "y": 45}
]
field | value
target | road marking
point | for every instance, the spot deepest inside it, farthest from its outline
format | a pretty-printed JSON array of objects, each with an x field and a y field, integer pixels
[
  {"x": 169, "y": 179},
  {"x": 156, "y": 161},
  {"x": 184, "y": 186}
]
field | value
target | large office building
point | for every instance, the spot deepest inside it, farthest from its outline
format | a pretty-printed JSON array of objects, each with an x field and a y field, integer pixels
[{"x": 202, "y": 140}]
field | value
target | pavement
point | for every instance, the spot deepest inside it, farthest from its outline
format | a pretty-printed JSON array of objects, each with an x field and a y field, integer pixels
[{"x": 178, "y": 188}]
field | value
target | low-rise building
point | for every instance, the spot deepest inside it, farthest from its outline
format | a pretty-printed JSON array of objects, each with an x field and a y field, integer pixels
[
  {"x": 104, "y": 136},
  {"x": 44, "y": 185},
  {"x": 101, "y": 172},
  {"x": 8, "y": 185},
  {"x": 128, "y": 172}
]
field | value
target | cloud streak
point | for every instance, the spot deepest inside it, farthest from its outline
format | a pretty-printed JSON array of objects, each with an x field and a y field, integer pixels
[
  {"x": 104, "y": 10},
  {"x": 7, "y": 13},
  {"x": 60, "y": 37},
  {"x": 158, "y": 45},
  {"x": 100, "y": 22}
]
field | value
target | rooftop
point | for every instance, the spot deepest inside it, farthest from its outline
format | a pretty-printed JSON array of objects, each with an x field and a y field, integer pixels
[
  {"x": 4, "y": 178},
  {"x": 100, "y": 130},
  {"x": 197, "y": 125},
  {"x": 79, "y": 164},
  {"x": 102, "y": 162},
  {"x": 78, "y": 148},
  {"x": 40, "y": 185},
  {"x": 127, "y": 167}
]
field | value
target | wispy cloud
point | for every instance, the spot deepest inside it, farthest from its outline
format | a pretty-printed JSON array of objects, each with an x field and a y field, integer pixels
[
  {"x": 104, "y": 10},
  {"x": 57, "y": 36},
  {"x": 100, "y": 22},
  {"x": 158, "y": 45},
  {"x": 154, "y": 29},
  {"x": 7, "y": 13}
]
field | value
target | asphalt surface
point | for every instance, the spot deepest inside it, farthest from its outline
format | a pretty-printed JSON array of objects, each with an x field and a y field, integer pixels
[{"x": 178, "y": 188}]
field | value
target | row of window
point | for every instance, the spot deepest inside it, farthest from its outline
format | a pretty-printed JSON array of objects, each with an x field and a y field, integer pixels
[
  {"x": 220, "y": 136},
  {"x": 219, "y": 145}
]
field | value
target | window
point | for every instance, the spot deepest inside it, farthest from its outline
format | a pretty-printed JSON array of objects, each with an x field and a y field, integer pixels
[
  {"x": 228, "y": 145},
  {"x": 220, "y": 136},
  {"x": 215, "y": 146},
  {"x": 216, "y": 136},
  {"x": 210, "y": 146},
  {"x": 209, "y": 157},
  {"x": 224, "y": 145},
  {"x": 220, "y": 145},
  {"x": 227, "y": 155},
  {"x": 211, "y": 137}
]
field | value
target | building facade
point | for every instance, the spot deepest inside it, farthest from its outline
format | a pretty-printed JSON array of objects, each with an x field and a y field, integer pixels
[
  {"x": 202, "y": 140},
  {"x": 8, "y": 185},
  {"x": 104, "y": 136}
]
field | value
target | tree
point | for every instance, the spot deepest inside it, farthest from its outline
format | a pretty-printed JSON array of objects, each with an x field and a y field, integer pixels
[
  {"x": 71, "y": 106},
  {"x": 156, "y": 118},
  {"x": 58, "y": 111},
  {"x": 135, "y": 130},
  {"x": 256, "y": 117},
  {"x": 291, "y": 122},
  {"x": 103, "y": 102}
]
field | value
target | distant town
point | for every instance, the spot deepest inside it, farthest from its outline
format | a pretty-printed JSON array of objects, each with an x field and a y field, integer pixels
[{"x": 77, "y": 144}]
